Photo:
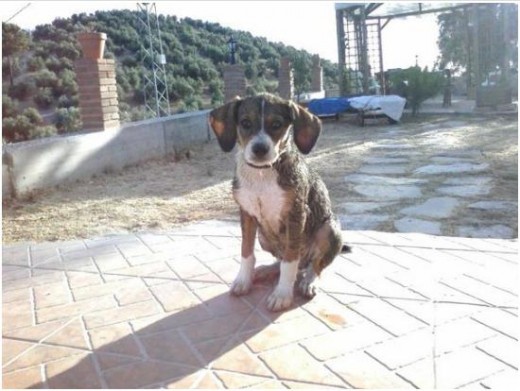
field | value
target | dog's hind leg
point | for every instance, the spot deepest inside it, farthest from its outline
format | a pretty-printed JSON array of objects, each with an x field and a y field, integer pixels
[
  {"x": 307, "y": 283},
  {"x": 326, "y": 244}
]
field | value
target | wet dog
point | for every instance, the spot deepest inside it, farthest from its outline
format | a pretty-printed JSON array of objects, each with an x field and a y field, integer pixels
[{"x": 280, "y": 197}]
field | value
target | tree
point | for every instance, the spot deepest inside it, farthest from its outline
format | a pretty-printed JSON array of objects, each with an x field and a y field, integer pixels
[
  {"x": 456, "y": 37},
  {"x": 417, "y": 85},
  {"x": 302, "y": 72},
  {"x": 14, "y": 41}
]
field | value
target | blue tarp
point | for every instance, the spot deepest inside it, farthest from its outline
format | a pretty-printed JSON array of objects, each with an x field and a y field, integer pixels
[{"x": 328, "y": 106}]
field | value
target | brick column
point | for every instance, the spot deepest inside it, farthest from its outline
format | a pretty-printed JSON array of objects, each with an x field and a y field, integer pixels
[
  {"x": 234, "y": 81},
  {"x": 285, "y": 79},
  {"x": 98, "y": 103},
  {"x": 317, "y": 75}
]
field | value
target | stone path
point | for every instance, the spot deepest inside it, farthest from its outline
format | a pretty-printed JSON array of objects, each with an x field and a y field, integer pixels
[
  {"x": 152, "y": 310},
  {"x": 431, "y": 183}
]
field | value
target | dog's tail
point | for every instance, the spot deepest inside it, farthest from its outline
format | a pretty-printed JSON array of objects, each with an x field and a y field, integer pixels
[{"x": 345, "y": 249}]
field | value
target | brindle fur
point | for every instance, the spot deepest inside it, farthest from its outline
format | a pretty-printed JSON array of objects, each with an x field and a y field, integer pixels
[{"x": 307, "y": 230}]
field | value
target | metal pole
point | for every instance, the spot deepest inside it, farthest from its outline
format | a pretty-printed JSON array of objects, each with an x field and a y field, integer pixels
[
  {"x": 364, "y": 50},
  {"x": 154, "y": 68},
  {"x": 381, "y": 69},
  {"x": 161, "y": 65},
  {"x": 340, "y": 32},
  {"x": 476, "y": 48}
]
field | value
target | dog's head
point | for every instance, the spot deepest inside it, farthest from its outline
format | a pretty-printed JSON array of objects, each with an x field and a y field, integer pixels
[{"x": 262, "y": 125}]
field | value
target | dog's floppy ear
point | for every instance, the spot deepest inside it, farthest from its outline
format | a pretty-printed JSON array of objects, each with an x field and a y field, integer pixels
[
  {"x": 306, "y": 128},
  {"x": 223, "y": 121}
]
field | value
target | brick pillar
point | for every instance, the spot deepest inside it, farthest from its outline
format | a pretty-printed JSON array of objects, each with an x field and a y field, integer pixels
[
  {"x": 285, "y": 79},
  {"x": 234, "y": 81},
  {"x": 98, "y": 103},
  {"x": 317, "y": 75}
]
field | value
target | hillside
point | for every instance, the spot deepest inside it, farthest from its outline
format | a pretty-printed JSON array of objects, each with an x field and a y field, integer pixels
[{"x": 43, "y": 74}]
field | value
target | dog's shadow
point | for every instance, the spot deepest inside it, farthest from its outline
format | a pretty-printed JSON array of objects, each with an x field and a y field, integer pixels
[{"x": 175, "y": 349}]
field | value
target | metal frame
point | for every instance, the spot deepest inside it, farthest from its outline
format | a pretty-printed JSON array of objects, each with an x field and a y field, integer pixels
[
  {"x": 360, "y": 52},
  {"x": 155, "y": 89}
]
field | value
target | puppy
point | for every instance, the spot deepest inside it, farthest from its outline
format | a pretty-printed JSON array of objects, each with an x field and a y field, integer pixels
[{"x": 280, "y": 197}]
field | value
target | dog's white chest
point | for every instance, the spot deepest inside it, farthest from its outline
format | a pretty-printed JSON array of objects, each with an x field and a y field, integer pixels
[{"x": 260, "y": 196}]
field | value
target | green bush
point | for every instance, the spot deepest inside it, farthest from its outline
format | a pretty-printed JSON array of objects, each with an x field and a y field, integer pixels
[
  {"x": 68, "y": 120},
  {"x": 33, "y": 115},
  {"x": 66, "y": 101},
  {"x": 9, "y": 107},
  {"x": 35, "y": 63},
  {"x": 22, "y": 90},
  {"x": 44, "y": 98},
  {"x": 25, "y": 126},
  {"x": 42, "y": 131},
  {"x": 417, "y": 85},
  {"x": 46, "y": 78}
]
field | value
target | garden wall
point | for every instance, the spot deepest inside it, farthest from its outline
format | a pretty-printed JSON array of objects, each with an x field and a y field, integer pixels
[{"x": 42, "y": 163}]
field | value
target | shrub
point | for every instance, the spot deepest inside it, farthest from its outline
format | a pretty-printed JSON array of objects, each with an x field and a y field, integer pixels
[
  {"x": 33, "y": 115},
  {"x": 42, "y": 131},
  {"x": 25, "y": 126},
  {"x": 44, "y": 98},
  {"x": 35, "y": 63},
  {"x": 46, "y": 78},
  {"x": 22, "y": 90},
  {"x": 68, "y": 120},
  {"x": 417, "y": 85},
  {"x": 9, "y": 129},
  {"x": 9, "y": 107},
  {"x": 66, "y": 101},
  {"x": 17, "y": 129}
]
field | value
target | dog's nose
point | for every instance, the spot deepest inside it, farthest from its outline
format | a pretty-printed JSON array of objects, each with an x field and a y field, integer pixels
[{"x": 260, "y": 149}]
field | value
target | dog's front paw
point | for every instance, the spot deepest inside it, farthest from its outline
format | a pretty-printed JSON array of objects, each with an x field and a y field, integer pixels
[
  {"x": 241, "y": 286},
  {"x": 279, "y": 300}
]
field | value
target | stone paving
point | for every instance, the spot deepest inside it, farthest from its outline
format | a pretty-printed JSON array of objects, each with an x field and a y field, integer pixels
[
  {"x": 152, "y": 310},
  {"x": 429, "y": 179}
]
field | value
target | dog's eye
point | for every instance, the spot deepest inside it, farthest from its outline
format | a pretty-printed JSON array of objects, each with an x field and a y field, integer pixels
[
  {"x": 276, "y": 125},
  {"x": 245, "y": 123}
]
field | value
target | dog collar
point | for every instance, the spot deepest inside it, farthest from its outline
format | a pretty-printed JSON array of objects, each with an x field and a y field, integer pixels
[{"x": 259, "y": 167}]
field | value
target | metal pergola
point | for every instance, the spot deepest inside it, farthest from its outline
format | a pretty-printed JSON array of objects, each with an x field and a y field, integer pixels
[{"x": 359, "y": 34}]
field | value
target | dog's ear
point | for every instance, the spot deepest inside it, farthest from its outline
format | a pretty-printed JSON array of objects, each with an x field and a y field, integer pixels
[
  {"x": 306, "y": 128},
  {"x": 223, "y": 121}
]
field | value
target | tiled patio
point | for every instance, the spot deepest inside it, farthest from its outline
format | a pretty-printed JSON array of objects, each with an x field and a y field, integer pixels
[{"x": 153, "y": 310}]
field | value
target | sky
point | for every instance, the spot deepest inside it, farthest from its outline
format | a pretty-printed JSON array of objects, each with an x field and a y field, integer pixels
[{"x": 309, "y": 25}]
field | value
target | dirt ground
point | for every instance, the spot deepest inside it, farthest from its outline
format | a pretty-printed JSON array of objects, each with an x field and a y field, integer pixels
[{"x": 167, "y": 193}]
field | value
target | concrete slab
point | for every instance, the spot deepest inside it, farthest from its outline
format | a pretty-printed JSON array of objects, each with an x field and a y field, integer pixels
[
  {"x": 437, "y": 208},
  {"x": 490, "y": 231},
  {"x": 383, "y": 169},
  {"x": 409, "y": 224},
  {"x": 383, "y": 180},
  {"x": 386, "y": 160},
  {"x": 468, "y": 180},
  {"x": 361, "y": 207},
  {"x": 465, "y": 191},
  {"x": 364, "y": 221},
  {"x": 393, "y": 146},
  {"x": 454, "y": 168},
  {"x": 493, "y": 205},
  {"x": 385, "y": 193}
]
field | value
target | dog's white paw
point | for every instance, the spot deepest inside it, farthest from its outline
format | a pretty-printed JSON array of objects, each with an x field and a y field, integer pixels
[
  {"x": 280, "y": 299},
  {"x": 241, "y": 286}
]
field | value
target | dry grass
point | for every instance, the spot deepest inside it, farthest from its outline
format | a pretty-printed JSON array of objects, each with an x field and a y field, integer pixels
[{"x": 162, "y": 194}]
